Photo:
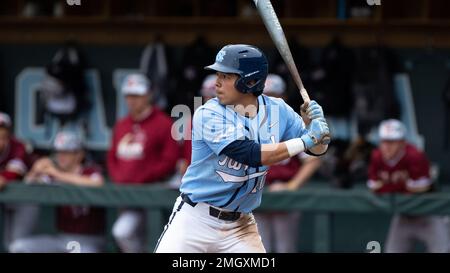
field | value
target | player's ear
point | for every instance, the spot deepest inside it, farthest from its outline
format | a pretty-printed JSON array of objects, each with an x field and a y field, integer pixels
[{"x": 251, "y": 83}]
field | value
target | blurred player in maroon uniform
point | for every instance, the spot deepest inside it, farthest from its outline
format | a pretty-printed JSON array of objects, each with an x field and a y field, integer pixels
[
  {"x": 398, "y": 167},
  {"x": 18, "y": 220},
  {"x": 142, "y": 151},
  {"x": 80, "y": 226},
  {"x": 12, "y": 153},
  {"x": 279, "y": 230}
]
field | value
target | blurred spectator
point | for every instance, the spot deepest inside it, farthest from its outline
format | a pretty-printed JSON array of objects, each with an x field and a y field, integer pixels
[
  {"x": 12, "y": 153},
  {"x": 275, "y": 86},
  {"x": 142, "y": 151},
  {"x": 279, "y": 229},
  {"x": 81, "y": 224},
  {"x": 398, "y": 167},
  {"x": 18, "y": 219},
  {"x": 208, "y": 90}
]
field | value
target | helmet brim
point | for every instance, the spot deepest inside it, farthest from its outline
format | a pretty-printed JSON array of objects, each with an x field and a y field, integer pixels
[{"x": 222, "y": 68}]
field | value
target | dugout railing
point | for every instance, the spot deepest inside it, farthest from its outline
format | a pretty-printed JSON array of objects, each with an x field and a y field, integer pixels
[{"x": 319, "y": 198}]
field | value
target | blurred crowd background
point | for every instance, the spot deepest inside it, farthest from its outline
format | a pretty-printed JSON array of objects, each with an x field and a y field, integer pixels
[{"x": 64, "y": 67}]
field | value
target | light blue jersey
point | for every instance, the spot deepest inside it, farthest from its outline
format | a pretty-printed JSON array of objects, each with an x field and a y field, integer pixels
[{"x": 220, "y": 181}]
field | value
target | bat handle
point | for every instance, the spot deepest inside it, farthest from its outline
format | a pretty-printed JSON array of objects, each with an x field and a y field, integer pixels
[
  {"x": 305, "y": 98},
  {"x": 326, "y": 139},
  {"x": 304, "y": 95}
]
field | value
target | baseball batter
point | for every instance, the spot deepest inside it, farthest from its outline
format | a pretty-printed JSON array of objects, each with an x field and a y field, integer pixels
[{"x": 235, "y": 137}]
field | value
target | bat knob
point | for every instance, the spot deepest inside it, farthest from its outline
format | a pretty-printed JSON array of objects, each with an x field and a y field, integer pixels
[{"x": 325, "y": 140}]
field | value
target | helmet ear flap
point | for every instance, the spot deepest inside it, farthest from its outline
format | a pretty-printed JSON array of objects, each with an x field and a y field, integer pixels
[{"x": 241, "y": 85}]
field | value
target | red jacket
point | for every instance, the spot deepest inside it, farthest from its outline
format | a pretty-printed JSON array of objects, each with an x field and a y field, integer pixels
[
  {"x": 143, "y": 151},
  {"x": 13, "y": 161},
  {"x": 412, "y": 165}
]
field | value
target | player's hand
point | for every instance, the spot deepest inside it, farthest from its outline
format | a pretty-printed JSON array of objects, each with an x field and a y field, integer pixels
[
  {"x": 303, "y": 113},
  {"x": 311, "y": 110},
  {"x": 282, "y": 186},
  {"x": 317, "y": 130},
  {"x": 50, "y": 170},
  {"x": 41, "y": 164}
]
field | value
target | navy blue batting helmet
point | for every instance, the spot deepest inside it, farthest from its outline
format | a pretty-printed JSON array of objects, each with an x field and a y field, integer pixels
[{"x": 249, "y": 62}]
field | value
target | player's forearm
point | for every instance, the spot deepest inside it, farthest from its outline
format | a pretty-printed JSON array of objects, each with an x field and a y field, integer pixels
[
  {"x": 273, "y": 153},
  {"x": 32, "y": 176},
  {"x": 78, "y": 180},
  {"x": 419, "y": 185}
]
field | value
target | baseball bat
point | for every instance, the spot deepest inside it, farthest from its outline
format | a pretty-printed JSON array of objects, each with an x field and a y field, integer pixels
[{"x": 276, "y": 32}]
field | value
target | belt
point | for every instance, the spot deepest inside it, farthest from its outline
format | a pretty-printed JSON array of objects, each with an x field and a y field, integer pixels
[{"x": 217, "y": 213}]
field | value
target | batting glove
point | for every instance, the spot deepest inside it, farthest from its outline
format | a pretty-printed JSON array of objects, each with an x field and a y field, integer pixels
[
  {"x": 316, "y": 130},
  {"x": 314, "y": 110}
]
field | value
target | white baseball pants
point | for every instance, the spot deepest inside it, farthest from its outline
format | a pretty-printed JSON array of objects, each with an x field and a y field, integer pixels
[
  {"x": 193, "y": 230},
  {"x": 129, "y": 231}
]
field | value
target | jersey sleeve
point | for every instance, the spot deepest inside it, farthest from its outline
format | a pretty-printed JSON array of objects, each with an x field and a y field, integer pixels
[
  {"x": 216, "y": 128},
  {"x": 16, "y": 166},
  {"x": 93, "y": 172},
  {"x": 374, "y": 166},
  {"x": 111, "y": 158},
  {"x": 418, "y": 166},
  {"x": 374, "y": 182},
  {"x": 295, "y": 127}
]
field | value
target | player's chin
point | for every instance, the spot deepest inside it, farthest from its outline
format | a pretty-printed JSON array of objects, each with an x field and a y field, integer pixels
[{"x": 222, "y": 100}]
